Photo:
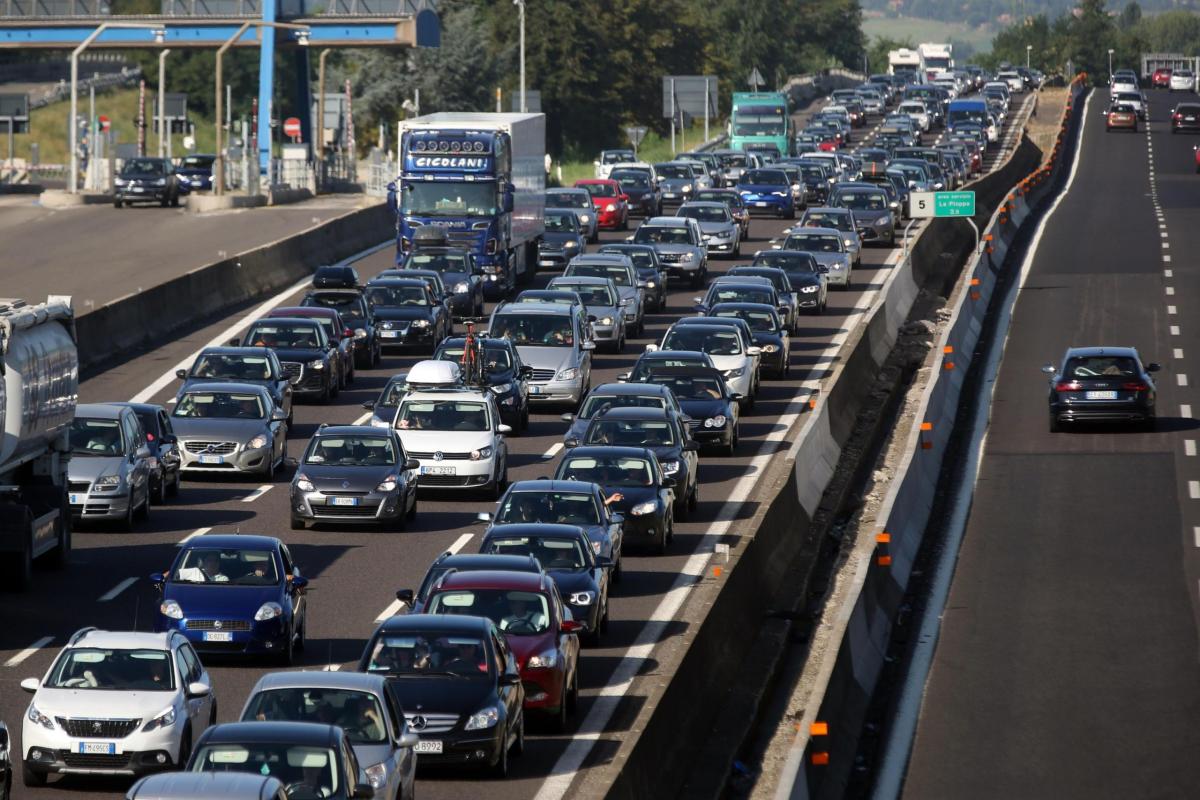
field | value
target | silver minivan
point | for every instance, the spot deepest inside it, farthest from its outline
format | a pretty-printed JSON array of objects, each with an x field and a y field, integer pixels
[
  {"x": 207, "y": 785},
  {"x": 108, "y": 477},
  {"x": 555, "y": 340}
]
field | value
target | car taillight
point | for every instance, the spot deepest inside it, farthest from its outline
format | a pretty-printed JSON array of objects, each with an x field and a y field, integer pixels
[
  {"x": 490, "y": 248},
  {"x": 1135, "y": 386},
  {"x": 1068, "y": 386},
  {"x": 149, "y": 437},
  {"x": 1178, "y": 116}
]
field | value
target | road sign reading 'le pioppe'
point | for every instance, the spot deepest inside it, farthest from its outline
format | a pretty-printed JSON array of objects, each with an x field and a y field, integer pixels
[{"x": 941, "y": 204}]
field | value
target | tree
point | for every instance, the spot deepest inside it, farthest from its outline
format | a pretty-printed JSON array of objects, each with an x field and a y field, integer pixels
[
  {"x": 877, "y": 52},
  {"x": 1130, "y": 15},
  {"x": 1090, "y": 35}
]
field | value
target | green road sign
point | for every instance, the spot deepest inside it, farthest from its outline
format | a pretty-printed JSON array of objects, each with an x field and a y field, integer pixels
[{"x": 942, "y": 204}]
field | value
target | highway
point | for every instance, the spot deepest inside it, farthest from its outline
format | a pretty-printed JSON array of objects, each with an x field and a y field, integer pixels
[
  {"x": 355, "y": 572},
  {"x": 1067, "y": 661},
  {"x": 97, "y": 253}
]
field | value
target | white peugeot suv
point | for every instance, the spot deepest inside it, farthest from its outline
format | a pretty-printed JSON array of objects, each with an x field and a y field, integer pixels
[
  {"x": 457, "y": 436},
  {"x": 116, "y": 703}
]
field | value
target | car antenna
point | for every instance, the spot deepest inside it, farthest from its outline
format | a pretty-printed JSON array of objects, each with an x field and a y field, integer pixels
[
  {"x": 137, "y": 606},
  {"x": 329, "y": 660}
]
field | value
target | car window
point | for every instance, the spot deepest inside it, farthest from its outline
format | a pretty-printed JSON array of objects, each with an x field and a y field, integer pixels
[
  {"x": 200, "y": 404},
  {"x": 630, "y": 433},
  {"x": 1100, "y": 366},
  {"x": 96, "y": 437},
  {"x": 439, "y": 262},
  {"x": 232, "y": 367},
  {"x": 595, "y": 403},
  {"x": 284, "y": 335},
  {"x": 559, "y": 508},
  {"x": 757, "y": 320},
  {"x": 568, "y": 200},
  {"x": 600, "y": 189},
  {"x": 397, "y": 296},
  {"x": 617, "y": 273},
  {"x": 561, "y": 223},
  {"x": 689, "y": 387},
  {"x": 309, "y": 768},
  {"x": 358, "y": 713},
  {"x": 112, "y": 669},
  {"x": 442, "y": 415},
  {"x": 517, "y": 613},
  {"x": 551, "y": 553},
  {"x": 607, "y": 470},
  {"x": 226, "y": 567},
  {"x": 715, "y": 343},
  {"x": 543, "y": 330},
  {"x": 816, "y": 242},
  {"x": 351, "y": 450},
  {"x": 705, "y": 213},
  {"x": 189, "y": 664},
  {"x": 429, "y": 653}
]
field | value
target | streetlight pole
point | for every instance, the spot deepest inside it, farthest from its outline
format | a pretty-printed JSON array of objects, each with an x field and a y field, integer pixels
[
  {"x": 520, "y": 4},
  {"x": 162, "y": 103},
  {"x": 219, "y": 162},
  {"x": 1110, "y": 54},
  {"x": 159, "y": 35},
  {"x": 1028, "y": 50},
  {"x": 321, "y": 118}
]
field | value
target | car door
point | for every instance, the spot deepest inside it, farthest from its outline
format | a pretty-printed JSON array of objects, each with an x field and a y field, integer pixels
[
  {"x": 403, "y": 758},
  {"x": 295, "y": 596},
  {"x": 139, "y": 454},
  {"x": 199, "y": 709},
  {"x": 168, "y": 444},
  {"x": 281, "y": 387}
]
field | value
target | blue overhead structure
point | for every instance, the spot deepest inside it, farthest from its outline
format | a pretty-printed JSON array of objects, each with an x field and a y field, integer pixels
[{"x": 64, "y": 24}]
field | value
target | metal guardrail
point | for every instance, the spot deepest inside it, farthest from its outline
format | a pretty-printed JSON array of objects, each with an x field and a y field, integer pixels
[{"x": 128, "y": 76}]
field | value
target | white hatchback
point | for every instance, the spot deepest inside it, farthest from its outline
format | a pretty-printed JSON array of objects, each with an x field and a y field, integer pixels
[
  {"x": 457, "y": 437},
  {"x": 116, "y": 703},
  {"x": 1183, "y": 80}
]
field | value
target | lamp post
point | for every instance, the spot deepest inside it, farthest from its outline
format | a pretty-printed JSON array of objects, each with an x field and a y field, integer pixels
[
  {"x": 159, "y": 35},
  {"x": 520, "y": 4},
  {"x": 163, "y": 131},
  {"x": 1028, "y": 50},
  {"x": 321, "y": 118},
  {"x": 1110, "y": 52},
  {"x": 302, "y": 32}
]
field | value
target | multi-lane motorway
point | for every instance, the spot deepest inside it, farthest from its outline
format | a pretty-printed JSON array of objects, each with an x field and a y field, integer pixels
[
  {"x": 355, "y": 572},
  {"x": 1067, "y": 663}
]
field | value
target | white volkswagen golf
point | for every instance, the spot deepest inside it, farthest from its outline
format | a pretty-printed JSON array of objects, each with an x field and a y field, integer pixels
[{"x": 116, "y": 703}]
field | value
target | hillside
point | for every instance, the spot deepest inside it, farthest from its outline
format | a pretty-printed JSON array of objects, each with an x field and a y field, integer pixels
[{"x": 998, "y": 13}]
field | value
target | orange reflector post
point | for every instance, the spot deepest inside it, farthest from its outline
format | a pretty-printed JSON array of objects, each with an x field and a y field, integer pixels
[
  {"x": 948, "y": 349},
  {"x": 716, "y": 572},
  {"x": 884, "y": 561},
  {"x": 974, "y": 281},
  {"x": 883, "y": 538},
  {"x": 812, "y": 404},
  {"x": 819, "y": 729},
  {"x": 821, "y": 758},
  {"x": 926, "y": 426}
]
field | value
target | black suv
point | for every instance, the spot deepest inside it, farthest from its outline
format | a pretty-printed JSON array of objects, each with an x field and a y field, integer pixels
[{"x": 146, "y": 180}]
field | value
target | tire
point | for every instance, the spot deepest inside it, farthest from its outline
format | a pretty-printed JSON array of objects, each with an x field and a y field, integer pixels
[
  {"x": 694, "y": 501},
  {"x": 660, "y": 548},
  {"x": 1055, "y": 425},
  {"x": 144, "y": 514},
  {"x": 175, "y": 201},
  {"x": 32, "y": 778},
  {"x": 185, "y": 748},
  {"x": 287, "y": 656},
  {"x": 411, "y": 514},
  {"x": 573, "y": 695},
  {"x": 173, "y": 488},
  {"x": 116, "y": 204},
  {"x": 165, "y": 202},
  {"x": 127, "y": 521},
  {"x": 297, "y": 523},
  {"x": 160, "y": 495},
  {"x": 697, "y": 280},
  {"x": 731, "y": 448},
  {"x": 559, "y": 721},
  {"x": 499, "y": 770},
  {"x": 336, "y": 386},
  {"x": 1150, "y": 424},
  {"x": 681, "y": 511},
  {"x": 303, "y": 635},
  {"x": 518, "y": 748}
]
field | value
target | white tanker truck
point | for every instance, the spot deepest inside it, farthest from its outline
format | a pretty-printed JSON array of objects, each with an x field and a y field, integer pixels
[{"x": 39, "y": 388}]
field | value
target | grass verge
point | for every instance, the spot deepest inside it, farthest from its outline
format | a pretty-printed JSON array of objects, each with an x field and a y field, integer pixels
[{"x": 654, "y": 148}]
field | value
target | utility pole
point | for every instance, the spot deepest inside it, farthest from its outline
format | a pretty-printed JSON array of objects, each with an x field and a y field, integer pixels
[{"x": 164, "y": 130}]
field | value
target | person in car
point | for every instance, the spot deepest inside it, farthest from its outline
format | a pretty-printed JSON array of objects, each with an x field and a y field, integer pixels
[{"x": 523, "y": 616}]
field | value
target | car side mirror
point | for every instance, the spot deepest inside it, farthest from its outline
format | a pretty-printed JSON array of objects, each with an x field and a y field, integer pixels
[
  {"x": 181, "y": 374},
  {"x": 406, "y": 596},
  {"x": 753, "y": 351},
  {"x": 412, "y": 463},
  {"x": 526, "y": 371},
  {"x": 198, "y": 689},
  {"x": 30, "y": 685},
  {"x": 369, "y": 405},
  {"x": 690, "y": 447},
  {"x": 669, "y": 483},
  {"x": 408, "y": 739},
  {"x": 279, "y": 415},
  {"x": 568, "y": 417},
  {"x": 508, "y": 202},
  {"x": 571, "y": 626},
  {"x": 504, "y": 429},
  {"x": 625, "y": 198},
  {"x": 510, "y": 679},
  {"x": 651, "y": 348},
  {"x": 364, "y": 791},
  {"x": 630, "y": 237},
  {"x": 294, "y": 379},
  {"x": 571, "y": 442},
  {"x": 623, "y": 377},
  {"x": 483, "y": 517},
  {"x": 1049, "y": 369},
  {"x": 235, "y": 342},
  {"x": 603, "y": 562},
  {"x": 292, "y": 461},
  {"x": 823, "y": 269},
  {"x": 298, "y": 581},
  {"x": 1153, "y": 367},
  {"x": 591, "y": 317},
  {"x": 587, "y": 346}
]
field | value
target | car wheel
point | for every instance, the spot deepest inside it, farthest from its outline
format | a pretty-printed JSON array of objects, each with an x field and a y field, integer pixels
[
  {"x": 731, "y": 448},
  {"x": 166, "y": 201},
  {"x": 1055, "y": 425},
  {"x": 127, "y": 520},
  {"x": 518, "y": 748},
  {"x": 560, "y": 717},
  {"x": 31, "y": 777},
  {"x": 697, "y": 280},
  {"x": 175, "y": 201},
  {"x": 303, "y": 634},
  {"x": 525, "y": 419},
  {"x": 116, "y": 204},
  {"x": 185, "y": 748},
  {"x": 680, "y": 511},
  {"x": 573, "y": 695},
  {"x": 173, "y": 488},
  {"x": 694, "y": 500},
  {"x": 287, "y": 656},
  {"x": 500, "y": 768},
  {"x": 297, "y": 523},
  {"x": 335, "y": 386},
  {"x": 660, "y": 548},
  {"x": 160, "y": 492},
  {"x": 1150, "y": 424},
  {"x": 412, "y": 512}
]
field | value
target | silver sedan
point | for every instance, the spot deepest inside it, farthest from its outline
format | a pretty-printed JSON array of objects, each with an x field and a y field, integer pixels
[{"x": 230, "y": 427}]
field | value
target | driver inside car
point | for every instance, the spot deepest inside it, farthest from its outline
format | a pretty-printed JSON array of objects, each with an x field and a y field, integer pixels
[{"x": 523, "y": 616}]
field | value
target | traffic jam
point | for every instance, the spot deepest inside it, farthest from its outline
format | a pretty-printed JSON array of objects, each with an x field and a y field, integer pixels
[{"x": 478, "y": 334}]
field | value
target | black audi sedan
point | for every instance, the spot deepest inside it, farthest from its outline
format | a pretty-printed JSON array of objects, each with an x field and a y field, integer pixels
[
  {"x": 1102, "y": 384},
  {"x": 567, "y": 556},
  {"x": 458, "y": 683},
  {"x": 647, "y": 497},
  {"x": 407, "y": 313},
  {"x": 506, "y": 376},
  {"x": 356, "y": 313},
  {"x": 308, "y": 357},
  {"x": 808, "y": 277},
  {"x": 711, "y": 406}
]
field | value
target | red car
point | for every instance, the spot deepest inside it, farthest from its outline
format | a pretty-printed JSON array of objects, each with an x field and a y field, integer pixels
[
  {"x": 612, "y": 204},
  {"x": 526, "y": 606},
  {"x": 339, "y": 333},
  {"x": 1161, "y": 78}
]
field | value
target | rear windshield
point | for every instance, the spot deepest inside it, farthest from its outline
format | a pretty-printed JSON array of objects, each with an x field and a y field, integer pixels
[{"x": 1100, "y": 367}]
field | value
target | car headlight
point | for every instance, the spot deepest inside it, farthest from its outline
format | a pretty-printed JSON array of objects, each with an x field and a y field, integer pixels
[
  {"x": 688, "y": 257},
  {"x": 642, "y": 509},
  {"x": 120, "y": 182},
  {"x": 268, "y": 611},
  {"x": 462, "y": 287},
  {"x": 304, "y": 484},
  {"x": 610, "y": 207},
  {"x": 849, "y": 242},
  {"x": 649, "y": 284},
  {"x": 377, "y": 775},
  {"x": 715, "y": 422},
  {"x": 360, "y": 333},
  {"x": 481, "y": 453},
  {"x": 257, "y": 442},
  {"x": 420, "y": 323},
  {"x": 687, "y": 187},
  {"x": 388, "y": 484},
  {"x": 572, "y": 245},
  {"x": 670, "y": 467},
  {"x": 108, "y": 480},
  {"x": 627, "y": 301},
  {"x": 39, "y": 718},
  {"x": 606, "y": 320},
  {"x": 170, "y": 609},
  {"x": 501, "y": 388},
  {"x": 883, "y": 220},
  {"x": 161, "y": 182},
  {"x": 546, "y": 660},
  {"x": 585, "y": 218},
  {"x": 770, "y": 348},
  {"x": 163, "y": 719},
  {"x": 581, "y": 598},
  {"x": 735, "y": 373},
  {"x": 779, "y": 194},
  {"x": 568, "y": 374},
  {"x": 316, "y": 363},
  {"x": 808, "y": 289},
  {"x": 482, "y": 720}
]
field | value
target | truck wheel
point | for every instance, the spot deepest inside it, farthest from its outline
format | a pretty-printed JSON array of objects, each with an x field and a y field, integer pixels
[
  {"x": 58, "y": 557},
  {"x": 20, "y": 564}
]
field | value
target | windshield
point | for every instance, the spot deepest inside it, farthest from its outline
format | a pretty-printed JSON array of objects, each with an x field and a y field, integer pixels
[
  {"x": 228, "y": 567},
  {"x": 543, "y": 330},
  {"x": 283, "y": 335},
  {"x": 630, "y": 433},
  {"x": 600, "y": 189},
  {"x": 514, "y": 612},
  {"x": 738, "y": 294},
  {"x": 346, "y": 304},
  {"x": 642, "y": 257},
  {"x": 705, "y": 213},
  {"x": 397, "y": 296},
  {"x": 438, "y": 262},
  {"x": 631, "y": 180},
  {"x": 562, "y": 223},
  {"x": 568, "y": 200},
  {"x": 658, "y": 234},
  {"x": 715, "y": 343},
  {"x": 495, "y": 358},
  {"x": 143, "y": 166},
  {"x": 827, "y": 219},
  {"x": 202, "y": 162},
  {"x": 306, "y": 771},
  {"x": 750, "y": 120},
  {"x": 674, "y": 171},
  {"x": 788, "y": 263},
  {"x": 112, "y": 670},
  {"x": 607, "y": 471},
  {"x": 551, "y": 553},
  {"x": 592, "y": 295},
  {"x": 429, "y": 653},
  {"x": 220, "y": 405},
  {"x": 862, "y": 201},
  {"x": 359, "y": 714},
  {"x": 440, "y": 199},
  {"x": 816, "y": 242},
  {"x": 562, "y": 508},
  {"x": 769, "y": 177},
  {"x": 233, "y": 368},
  {"x": 392, "y": 394},
  {"x": 442, "y": 415},
  {"x": 617, "y": 273},
  {"x": 690, "y": 387},
  {"x": 1100, "y": 366},
  {"x": 96, "y": 437},
  {"x": 758, "y": 320},
  {"x": 617, "y": 157},
  {"x": 351, "y": 451},
  {"x": 595, "y": 403}
]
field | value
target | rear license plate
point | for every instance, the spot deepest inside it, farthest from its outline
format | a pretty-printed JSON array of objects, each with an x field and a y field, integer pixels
[
  {"x": 428, "y": 746},
  {"x": 1189, "y": 119},
  {"x": 212, "y": 459},
  {"x": 1101, "y": 395},
  {"x": 762, "y": 204},
  {"x": 76, "y": 499},
  {"x": 104, "y": 748},
  {"x": 218, "y": 636},
  {"x": 389, "y": 334},
  {"x": 437, "y": 470},
  {"x": 343, "y": 501}
]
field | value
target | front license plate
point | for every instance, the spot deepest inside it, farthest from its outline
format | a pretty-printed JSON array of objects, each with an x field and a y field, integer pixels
[
  {"x": 76, "y": 499},
  {"x": 218, "y": 636},
  {"x": 762, "y": 204},
  {"x": 428, "y": 746},
  {"x": 212, "y": 459},
  {"x": 343, "y": 501},
  {"x": 104, "y": 748},
  {"x": 437, "y": 470},
  {"x": 535, "y": 389},
  {"x": 389, "y": 334},
  {"x": 1101, "y": 395},
  {"x": 546, "y": 262}
]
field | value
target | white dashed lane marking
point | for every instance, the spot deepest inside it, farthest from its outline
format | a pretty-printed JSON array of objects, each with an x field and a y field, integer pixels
[{"x": 28, "y": 651}]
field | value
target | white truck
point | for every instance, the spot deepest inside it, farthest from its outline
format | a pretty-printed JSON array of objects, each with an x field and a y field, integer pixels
[
  {"x": 903, "y": 60},
  {"x": 935, "y": 58},
  {"x": 39, "y": 387}
]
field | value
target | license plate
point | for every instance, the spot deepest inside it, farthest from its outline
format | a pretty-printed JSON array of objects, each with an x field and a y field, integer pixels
[
  {"x": 138, "y": 189},
  {"x": 1101, "y": 395},
  {"x": 762, "y": 204},
  {"x": 343, "y": 501},
  {"x": 535, "y": 389},
  {"x": 218, "y": 636},
  {"x": 212, "y": 459},
  {"x": 1189, "y": 119},
  {"x": 103, "y": 748},
  {"x": 668, "y": 195},
  {"x": 76, "y": 499},
  {"x": 546, "y": 262},
  {"x": 437, "y": 470},
  {"x": 428, "y": 746},
  {"x": 389, "y": 334}
]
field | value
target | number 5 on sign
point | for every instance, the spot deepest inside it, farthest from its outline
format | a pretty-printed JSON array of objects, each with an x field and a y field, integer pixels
[{"x": 921, "y": 204}]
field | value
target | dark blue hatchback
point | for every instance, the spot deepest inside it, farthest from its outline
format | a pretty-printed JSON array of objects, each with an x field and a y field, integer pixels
[
  {"x": 234, "y": 594},
  {"x": 767, "y": 190}
]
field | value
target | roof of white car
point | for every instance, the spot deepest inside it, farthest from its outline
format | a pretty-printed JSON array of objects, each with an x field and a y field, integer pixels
[
  {"x": 474, "y": 395},
  {"x": 122, "y": 640}
]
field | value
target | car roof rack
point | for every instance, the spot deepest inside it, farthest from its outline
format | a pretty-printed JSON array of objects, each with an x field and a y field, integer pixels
[{"x": 79, "y": 634}]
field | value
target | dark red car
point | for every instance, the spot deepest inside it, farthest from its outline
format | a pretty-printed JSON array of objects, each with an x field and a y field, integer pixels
[
  {"x": 610, "y": 201},
  {"x": 1122, "y": 117},
  {"x": 526, "y": 606},
  {"x": 1161, "y": 78},
  {"x": 339, "y": 333}
]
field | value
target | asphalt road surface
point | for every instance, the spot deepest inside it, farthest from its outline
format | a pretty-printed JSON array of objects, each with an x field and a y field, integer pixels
[
  {"x": 1067, "y": 664},
  {"x": 355, "y": 572}
]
